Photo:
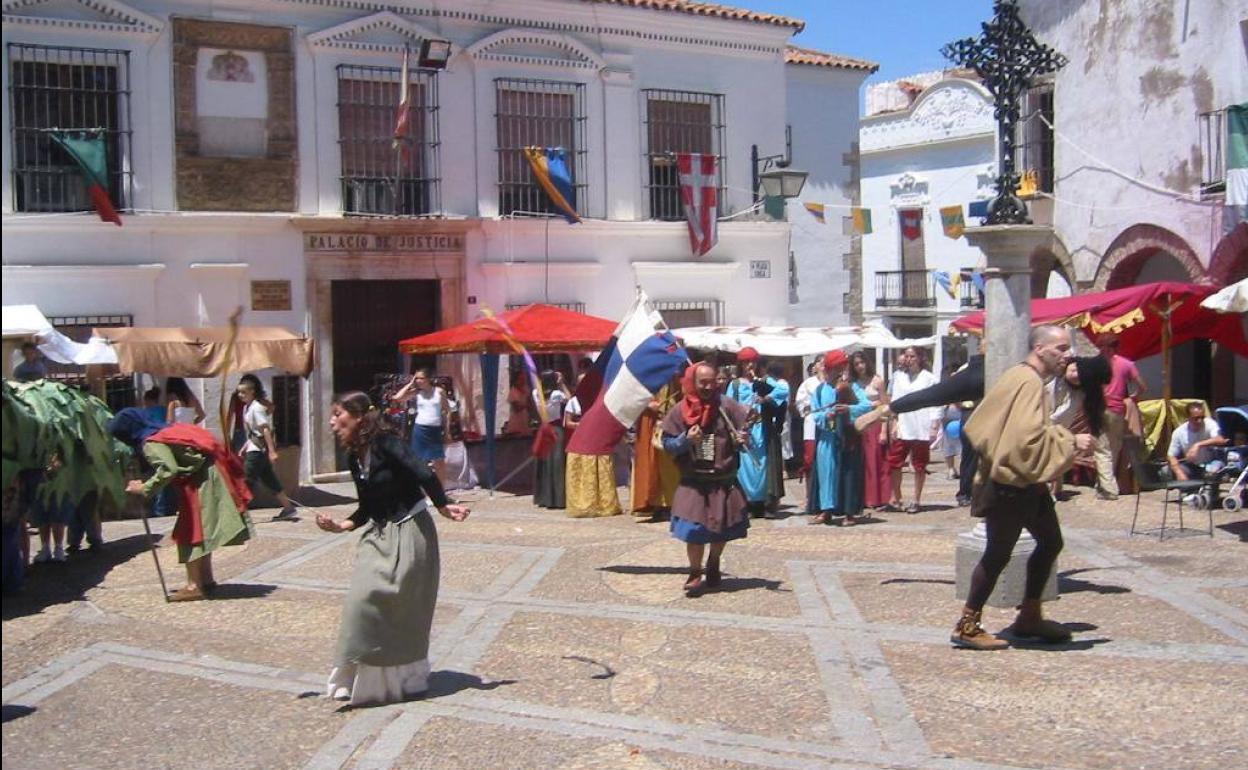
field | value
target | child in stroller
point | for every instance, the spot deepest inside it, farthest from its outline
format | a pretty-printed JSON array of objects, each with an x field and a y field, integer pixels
[{"x": 1230, "y": 464}]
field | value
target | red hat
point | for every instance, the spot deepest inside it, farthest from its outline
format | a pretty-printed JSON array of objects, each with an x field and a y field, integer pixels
[
  {"x": 747, "y": 354},
  {"x": 834, "y": 358}
]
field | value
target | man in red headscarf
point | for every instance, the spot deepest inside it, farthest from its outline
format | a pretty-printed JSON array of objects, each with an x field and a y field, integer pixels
[{"x": 703, "y": 435}]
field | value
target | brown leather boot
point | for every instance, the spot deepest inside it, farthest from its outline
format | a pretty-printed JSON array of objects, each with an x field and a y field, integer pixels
[
  {"x": 1031, "y": 624},
  {"x": 970, "y": 634}
]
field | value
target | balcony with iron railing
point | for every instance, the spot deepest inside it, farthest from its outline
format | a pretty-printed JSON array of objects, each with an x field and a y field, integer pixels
[
  {"x": 904, "y": 289},
  {"x": 970, "y": 296},
  {"x": 1212, "y": 136}
]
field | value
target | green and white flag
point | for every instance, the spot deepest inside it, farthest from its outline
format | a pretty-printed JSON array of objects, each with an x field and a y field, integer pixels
[{"x": 1237, "y": 161}]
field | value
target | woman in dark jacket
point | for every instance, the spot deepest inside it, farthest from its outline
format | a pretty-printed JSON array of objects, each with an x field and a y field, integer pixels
[{"x": 383, "y": 642}]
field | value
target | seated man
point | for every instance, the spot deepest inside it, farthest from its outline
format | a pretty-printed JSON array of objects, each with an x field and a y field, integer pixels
[{"x": 1191, "y": 443}]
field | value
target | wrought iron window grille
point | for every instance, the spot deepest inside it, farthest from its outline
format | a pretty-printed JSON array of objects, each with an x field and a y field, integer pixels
[
  {"x": 676, "y": 122},
  {"x": 1035, "y": 137},
  {"x": 678, "y": 314},
  {"x": 538, "y": 113},
  {"x": 905, "y": 288},
  {"x": 120, "y": 390},
  {"x": 60, "y": 88},
  {"x": 382, "y": 176},
  {"x": 1213, "y": 140}
]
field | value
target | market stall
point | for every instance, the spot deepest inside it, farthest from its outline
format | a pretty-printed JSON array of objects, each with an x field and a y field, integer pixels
[{"x": 536, "y": 328}]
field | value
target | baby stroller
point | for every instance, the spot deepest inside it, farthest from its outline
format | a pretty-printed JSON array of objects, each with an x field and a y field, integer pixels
[{"x": 1231, "y": 464}]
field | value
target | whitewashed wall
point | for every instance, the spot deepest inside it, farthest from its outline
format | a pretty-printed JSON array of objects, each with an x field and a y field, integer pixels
[
  {"x": 1140, "y": 72},
  {"x": 822, "y": 109}
]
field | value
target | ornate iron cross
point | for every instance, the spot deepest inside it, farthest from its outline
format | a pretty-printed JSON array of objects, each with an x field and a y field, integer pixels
[{"x": 1006, "y": 57}]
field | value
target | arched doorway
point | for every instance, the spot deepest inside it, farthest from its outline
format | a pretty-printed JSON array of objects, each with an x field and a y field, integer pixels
[
  {"x": 1140, "y": 246},
  {"x": 1052, "y": 272},
  {"x": 1145, "y": 254}
]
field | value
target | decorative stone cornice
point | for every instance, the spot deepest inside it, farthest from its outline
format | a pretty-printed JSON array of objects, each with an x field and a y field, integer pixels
[
  {"x": 116, "y": 17},
  {"x": 342, "y": 35},
  {"x": 573, "y": 52},
  {"x": 909, "y": 191},
  {"x": 449, "y": 12},
  {"x": 948, "y": 110}
]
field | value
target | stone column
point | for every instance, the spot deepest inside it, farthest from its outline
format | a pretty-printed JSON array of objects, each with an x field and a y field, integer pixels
[
  {"x": 1007, "y": 295},
  {"x": 1007, "y": 322}
]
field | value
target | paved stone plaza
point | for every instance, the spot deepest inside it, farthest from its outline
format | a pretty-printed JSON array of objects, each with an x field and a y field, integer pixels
[{"x": 563, "y": 644}]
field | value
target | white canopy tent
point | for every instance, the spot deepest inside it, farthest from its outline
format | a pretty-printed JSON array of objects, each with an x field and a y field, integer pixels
[
  {"x": 795, "y": 340},
  {"x": 27, "y": 321}
]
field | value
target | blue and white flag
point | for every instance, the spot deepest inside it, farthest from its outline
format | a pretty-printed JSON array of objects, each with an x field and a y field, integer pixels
[{"x": 639, "y": 360}]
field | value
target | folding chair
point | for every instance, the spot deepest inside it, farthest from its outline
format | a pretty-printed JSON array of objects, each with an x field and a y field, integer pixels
[{"x": 1148, "y": 478}]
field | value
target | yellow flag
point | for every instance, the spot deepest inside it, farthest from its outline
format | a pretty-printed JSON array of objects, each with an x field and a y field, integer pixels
[
  {"x": 1029, "y": 184},
  {"x": 952, "y": 221},
  {"x": 862, "y": 221}
]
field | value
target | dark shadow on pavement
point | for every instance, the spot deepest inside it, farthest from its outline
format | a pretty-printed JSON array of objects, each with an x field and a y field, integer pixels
[
  {"x": 637, "y": 569},
  {"x": 1237, "y": 528},
  {"x": 443, "y": 683},
  {"x": 13, "y": 711},
  {"x": 315, "y": 497},
  {"x": 1069, "y": 585},
  {"x": 733, "y": 584},
  {"x": 53, "y": 583},
  {"x": 1072, "y": 646},
  {"x": 241, "y": 591}
]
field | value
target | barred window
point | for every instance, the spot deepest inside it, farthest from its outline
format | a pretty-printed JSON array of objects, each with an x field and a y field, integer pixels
[
  {"x": 679, "y": 314},
  {"x": 679, "y": 121},
  {"x": 287, "y": 406},
  {"x": 68, "y": 89},
  {"x": 537, "y": 113},
  {"x": 119, "y": 389},
  {"x": 1213, "y": 143},
  {"x": 377, "y": 177},
  {"x": 1035, "y": 139}
]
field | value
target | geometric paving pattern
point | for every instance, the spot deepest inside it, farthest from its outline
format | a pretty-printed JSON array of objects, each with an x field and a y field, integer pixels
[{"x": 566, "y": 644}]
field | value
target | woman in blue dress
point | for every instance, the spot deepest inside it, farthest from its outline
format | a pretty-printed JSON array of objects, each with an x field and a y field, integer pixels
[{"x": 838, "y": 480}]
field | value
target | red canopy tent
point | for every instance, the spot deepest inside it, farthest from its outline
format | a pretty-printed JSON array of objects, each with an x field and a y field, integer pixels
[
  {"x": 1136, "y": 315},
  {"x": 539, "y": 328}
]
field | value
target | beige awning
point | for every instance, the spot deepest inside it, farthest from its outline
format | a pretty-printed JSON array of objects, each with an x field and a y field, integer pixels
[{"x": 202, "y": 352}]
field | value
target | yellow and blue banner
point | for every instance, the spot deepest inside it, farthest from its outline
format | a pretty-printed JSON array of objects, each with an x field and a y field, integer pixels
[
  {"x": 550, "y": 169},
  {"x": 952, "y": 221},
  {"x": 817, "y": 211}
]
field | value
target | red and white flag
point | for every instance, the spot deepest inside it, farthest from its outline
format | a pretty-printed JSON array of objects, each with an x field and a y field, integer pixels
[
  {"x": 403, "y": 120},
  {"x": 699, "y": 193}
]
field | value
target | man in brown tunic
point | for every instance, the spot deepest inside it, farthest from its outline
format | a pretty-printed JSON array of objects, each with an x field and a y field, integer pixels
[
  {"x": 703, "y": 434},
  {"x": 1020, "y": 450}
]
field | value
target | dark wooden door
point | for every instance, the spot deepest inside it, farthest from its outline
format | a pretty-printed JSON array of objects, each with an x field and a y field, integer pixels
[{"x": 370, "y": 317}]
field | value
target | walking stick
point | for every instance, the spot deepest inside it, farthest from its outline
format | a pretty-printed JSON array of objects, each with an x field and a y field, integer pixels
[{"x": 164, "y": 589}]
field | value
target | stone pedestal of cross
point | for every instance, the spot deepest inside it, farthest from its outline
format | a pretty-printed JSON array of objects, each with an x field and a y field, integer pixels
[{"x": 1007, "y": 58}]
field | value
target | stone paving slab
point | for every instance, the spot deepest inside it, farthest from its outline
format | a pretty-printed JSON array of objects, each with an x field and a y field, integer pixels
[{"x": 563, "y": 643}]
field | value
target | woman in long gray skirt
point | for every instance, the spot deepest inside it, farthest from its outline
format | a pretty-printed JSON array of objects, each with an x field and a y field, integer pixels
[{"x": 383, "y": 643}]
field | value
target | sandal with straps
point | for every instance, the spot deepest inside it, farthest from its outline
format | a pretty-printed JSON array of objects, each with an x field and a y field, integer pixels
[{"x": 695, "y": 586}]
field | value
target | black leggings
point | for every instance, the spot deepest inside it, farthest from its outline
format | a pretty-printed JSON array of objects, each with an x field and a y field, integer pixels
[
  {"x": 1014, "y": 510},
  {"x": 967, "y": 468}
]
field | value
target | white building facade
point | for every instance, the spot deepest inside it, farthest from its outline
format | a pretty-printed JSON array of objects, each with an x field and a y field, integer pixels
[
  {"x": 1139, "y": 152},
  {"x": 927, "y": 142},
  {"x": 250, "y": 150}
]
